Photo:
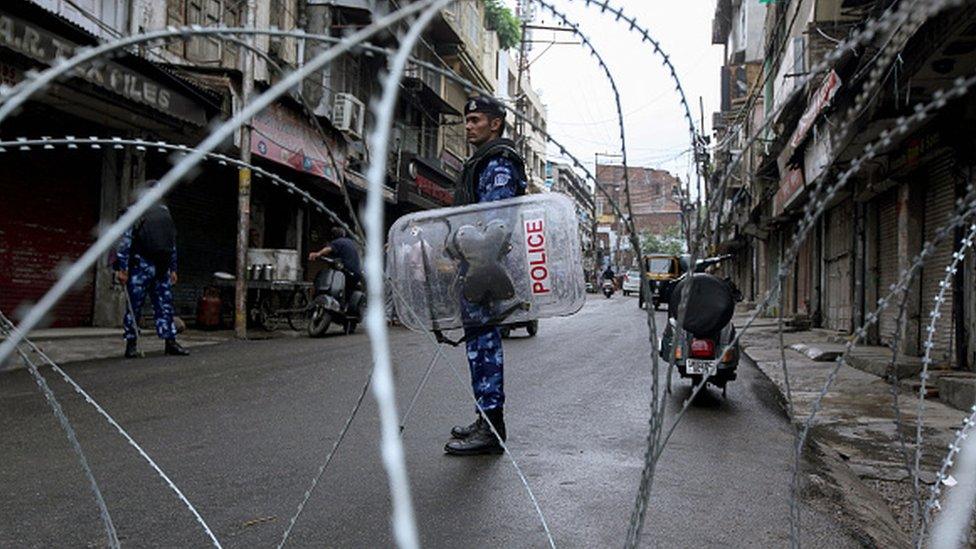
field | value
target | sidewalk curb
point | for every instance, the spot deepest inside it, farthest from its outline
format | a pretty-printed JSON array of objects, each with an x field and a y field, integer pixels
[
  {"x": 94, "y": 333},
  {"x": 862, "y": 510}
]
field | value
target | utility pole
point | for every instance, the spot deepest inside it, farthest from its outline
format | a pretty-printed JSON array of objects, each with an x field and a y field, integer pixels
[
  {"x": 596, "y": 188},
  {"x": 522, "y": 68},
  {"x": 244, "y": 183}
]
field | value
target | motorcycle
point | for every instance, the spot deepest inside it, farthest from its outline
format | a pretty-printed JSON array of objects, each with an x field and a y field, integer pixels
[
  {"x": 608, "y": 288},
  {"x": 702, "y": 346},
  {"x": 332, "y": 301}
]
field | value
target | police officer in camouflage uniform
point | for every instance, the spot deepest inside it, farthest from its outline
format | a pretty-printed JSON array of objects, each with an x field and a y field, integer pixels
[
  {"x": 146, "y": 263},
  {"x": 494, "y": 172}
]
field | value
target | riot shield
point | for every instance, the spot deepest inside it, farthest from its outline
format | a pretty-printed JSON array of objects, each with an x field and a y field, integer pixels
[{"x": 493, "y": 263}]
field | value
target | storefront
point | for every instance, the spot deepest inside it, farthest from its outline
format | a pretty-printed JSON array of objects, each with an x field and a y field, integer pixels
[{"x": 55, "y": 196}]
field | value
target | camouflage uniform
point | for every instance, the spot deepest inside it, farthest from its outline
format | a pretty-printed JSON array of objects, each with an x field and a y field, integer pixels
[
  {"x": 142, "y": 279},
  {"x": 500, "y": 179}
]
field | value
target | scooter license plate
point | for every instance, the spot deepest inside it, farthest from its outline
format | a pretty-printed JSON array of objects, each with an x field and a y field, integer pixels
[{"x": 700, "y": 367}]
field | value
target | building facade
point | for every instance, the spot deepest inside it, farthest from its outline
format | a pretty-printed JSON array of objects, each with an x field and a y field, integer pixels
[
  {"x": 314, "y": 137},
  {"x": 881, "y": 218},
  {"x": 653, "y": 200},
  {"x": 565, "y": 180}
]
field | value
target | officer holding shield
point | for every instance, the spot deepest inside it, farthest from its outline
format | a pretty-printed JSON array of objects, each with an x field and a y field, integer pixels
[{"x": 495, "y": 171}]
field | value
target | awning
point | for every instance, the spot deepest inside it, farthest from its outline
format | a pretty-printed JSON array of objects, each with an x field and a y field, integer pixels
[{"x": 358, "y": 182}]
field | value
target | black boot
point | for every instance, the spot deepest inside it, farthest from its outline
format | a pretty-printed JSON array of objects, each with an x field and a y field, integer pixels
[
  {"x": 174, "y": 348},
  {"x": 131, "y": 348},
  {"x": 459, "y": 431},
  {"x": 482, "y": 440}
]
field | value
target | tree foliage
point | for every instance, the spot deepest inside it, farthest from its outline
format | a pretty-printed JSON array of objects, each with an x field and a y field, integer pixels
[
  {"x": 504, "y": 23},
  {"x": 669, "y": 242}
]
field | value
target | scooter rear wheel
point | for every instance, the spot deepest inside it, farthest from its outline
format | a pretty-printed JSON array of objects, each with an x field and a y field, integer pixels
[{"x": 319, "y": 322}]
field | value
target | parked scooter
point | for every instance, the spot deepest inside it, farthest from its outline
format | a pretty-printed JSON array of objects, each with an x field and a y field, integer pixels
[
  {"x": 334, "y": 302},
  {"x": 706, "y": 333},
  {"x": 608, "y": 288}
]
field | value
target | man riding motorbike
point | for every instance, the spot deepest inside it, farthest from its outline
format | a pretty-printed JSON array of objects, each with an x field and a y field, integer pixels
[{"x": 344, "y": 249}]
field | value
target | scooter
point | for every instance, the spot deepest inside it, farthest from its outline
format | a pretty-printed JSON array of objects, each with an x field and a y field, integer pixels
[
  {"x": 607, "y": 288},
  {"x": 334, "y": 302},
  {"x": 702, "y": 345}
]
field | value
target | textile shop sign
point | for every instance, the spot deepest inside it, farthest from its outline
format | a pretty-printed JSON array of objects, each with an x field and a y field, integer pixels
[
  {"x": 818, "y": 102},
  {"x": 282, "y": 136},
  {"x": 45, "y": 47}
]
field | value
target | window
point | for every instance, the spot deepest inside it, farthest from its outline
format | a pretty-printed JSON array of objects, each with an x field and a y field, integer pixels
[
  {"x": 115, "y": 13},
  {"x": 204, "y": 13},
  {"x": 799, "y": 55},
  {"x": 473, "y": 24}
]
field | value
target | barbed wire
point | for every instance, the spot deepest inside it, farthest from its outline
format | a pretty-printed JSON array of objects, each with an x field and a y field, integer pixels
[
  {"x": 814, "y": 209},
  {"x": 325, "y": 462},
  {"x": 118, "y": 142},
  {"x": 6, "y": 329},
  {"x": 153, "y": 194},
  {"x": 94, "y": 142},
  {"x": 634, "y": 26},
  {"x": 391, "y": 446},
  {"x": 936, "y": 312},
  {"x": 903, "y": 23},
  {"x": 942, "y": 478},
  {"x": 953, "y": 523},
  {"x": 890, "y": 19},
  {"x": 15, "y": 332}
]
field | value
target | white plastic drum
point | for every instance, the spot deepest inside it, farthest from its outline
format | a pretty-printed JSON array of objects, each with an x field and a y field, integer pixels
[{"x": 492, "y": 263}]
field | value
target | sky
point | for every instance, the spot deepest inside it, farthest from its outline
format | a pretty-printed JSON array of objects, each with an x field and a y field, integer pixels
[{"x": 581, "y": 110}]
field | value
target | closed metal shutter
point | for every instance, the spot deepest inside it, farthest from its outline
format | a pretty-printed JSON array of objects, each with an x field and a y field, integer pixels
[
  {"x": 205, "y": 213},
  {"x": 840, "y": 224},
  {"x": 940, "y": 196},
  {"x": 47, "y": 213},
  {"x": 804, "y": 274},
  {"x": 887, "y": 261}
]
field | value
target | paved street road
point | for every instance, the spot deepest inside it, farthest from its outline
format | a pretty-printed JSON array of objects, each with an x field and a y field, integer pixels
[{"x": 241, "y": 427}]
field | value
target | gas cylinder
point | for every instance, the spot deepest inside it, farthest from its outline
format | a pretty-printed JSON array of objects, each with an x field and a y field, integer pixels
[{"x": 208, "y": 309}]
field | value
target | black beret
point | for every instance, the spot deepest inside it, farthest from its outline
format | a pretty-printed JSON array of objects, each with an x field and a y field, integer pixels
[{"x": 485, "y": 104}]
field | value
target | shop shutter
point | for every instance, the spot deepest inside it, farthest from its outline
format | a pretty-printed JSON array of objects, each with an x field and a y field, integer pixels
[
  {"x": 804, "y": 275},
  {"x": 940, "y": 197},
  {"x": 840, "y": 224},
  {"x": 887, "y": 261},
  {"x": 48, "y": 210},
  {"x": 205, "y": 213}
]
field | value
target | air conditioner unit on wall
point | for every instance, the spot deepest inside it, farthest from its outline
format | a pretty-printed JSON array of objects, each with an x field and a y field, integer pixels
[{"x": 348, "y": 114}]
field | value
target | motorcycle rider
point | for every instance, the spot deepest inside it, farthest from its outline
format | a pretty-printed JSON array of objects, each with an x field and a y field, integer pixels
[
  {"x": 608, "y": 274},
  {"x": 344, "y": 249},
  {"x": 494, "y": 172}
]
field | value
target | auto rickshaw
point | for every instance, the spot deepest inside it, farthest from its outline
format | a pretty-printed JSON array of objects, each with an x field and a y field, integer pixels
[{"x": 662, "y": 271}]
